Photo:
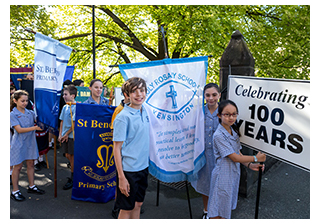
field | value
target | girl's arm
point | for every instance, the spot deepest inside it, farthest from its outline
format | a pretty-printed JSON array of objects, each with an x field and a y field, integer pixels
[
  {"x": 246, "y": 159},
  {"x": 20, "y": 130},
  {"x": 123, "y": 182},
  {"x": 254, "y": 166}
]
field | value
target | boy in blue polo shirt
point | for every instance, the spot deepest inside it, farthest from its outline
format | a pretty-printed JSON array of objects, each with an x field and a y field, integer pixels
[
  {"x": 131, "y": 151},
  {"x": 66, "y": 132}
]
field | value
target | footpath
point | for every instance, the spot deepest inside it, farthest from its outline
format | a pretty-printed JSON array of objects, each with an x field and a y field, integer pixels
[{"x": 285, "y": 194}]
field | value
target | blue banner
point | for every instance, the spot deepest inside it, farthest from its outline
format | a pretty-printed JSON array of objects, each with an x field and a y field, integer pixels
[
  {"x": 94, "y": 177},
  {"x": 50, "y": 64},
  {"x": 174, "y": 102},
  {"x": 69, "y": 73}
]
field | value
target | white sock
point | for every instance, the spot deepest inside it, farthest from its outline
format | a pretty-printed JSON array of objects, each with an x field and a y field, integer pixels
[
  {"x": 13, "y": 192},
  {"x": 32, "y": 186}
]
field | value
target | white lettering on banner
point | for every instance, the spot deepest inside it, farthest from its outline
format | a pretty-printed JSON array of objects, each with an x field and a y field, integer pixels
[{"x": 274, "y": 116}]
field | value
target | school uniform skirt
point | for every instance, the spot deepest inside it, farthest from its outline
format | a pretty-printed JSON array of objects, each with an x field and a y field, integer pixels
[{"x": 23, "y": 147}]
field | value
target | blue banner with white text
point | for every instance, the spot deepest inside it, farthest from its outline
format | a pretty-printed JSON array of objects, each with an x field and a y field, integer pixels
[{"x": 94, "y": 177}]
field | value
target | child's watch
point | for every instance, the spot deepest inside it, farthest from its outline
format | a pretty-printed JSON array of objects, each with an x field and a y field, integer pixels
[{"x": 255, "y": 159}]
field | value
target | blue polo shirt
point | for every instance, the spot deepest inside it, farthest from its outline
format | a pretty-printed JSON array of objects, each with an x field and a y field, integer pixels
[
  {"x": 131, "y": 127},
  {"x": 65, "y": 116}
]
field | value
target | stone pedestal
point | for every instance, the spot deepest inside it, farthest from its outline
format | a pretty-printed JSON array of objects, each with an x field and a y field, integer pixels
[{"x": 238, "y": 60}]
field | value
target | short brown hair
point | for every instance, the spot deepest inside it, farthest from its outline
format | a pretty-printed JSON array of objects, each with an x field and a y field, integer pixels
[
  {"x": 133, "y": 83},
  {"x": 124, "y": 88},
  {"x": 72, "y": 90}
]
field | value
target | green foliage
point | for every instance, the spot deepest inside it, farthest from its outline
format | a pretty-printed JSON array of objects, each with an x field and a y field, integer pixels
[
  {"x": 277, "y": 36},
  {"x": 279, "y": 39},
  {"x": 22, "y": 42}
]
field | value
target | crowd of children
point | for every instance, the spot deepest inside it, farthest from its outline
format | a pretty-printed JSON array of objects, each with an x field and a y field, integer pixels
[{"x": 218, "y": 181}]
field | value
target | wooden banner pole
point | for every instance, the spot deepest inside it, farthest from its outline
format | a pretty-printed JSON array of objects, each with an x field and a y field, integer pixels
[{"x": 55, "y": 166}]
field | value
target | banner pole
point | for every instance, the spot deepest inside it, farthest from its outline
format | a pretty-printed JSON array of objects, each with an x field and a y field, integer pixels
[
  {"x": 55, "y": 165},
  {"x": 158, "y": 189},
  {"x": 34, "y": 32},
  {"x": 163, "y": 32},
  {"x": 189, "y": 204},
  {"x": 93, "y": 43},
  {"x": 258, "y": 193}
]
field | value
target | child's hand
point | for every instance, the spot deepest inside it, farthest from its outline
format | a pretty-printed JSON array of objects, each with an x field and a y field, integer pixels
[
  {"x": 37, "y": 128},
  {"x": 64, "y": 138},
  {"x": 255, "y": 166},
  {"x": 261, "y": 157},
  {"x": 124, "y": 186}
]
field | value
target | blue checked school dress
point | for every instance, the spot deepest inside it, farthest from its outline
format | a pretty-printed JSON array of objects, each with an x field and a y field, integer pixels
[
  {"x": 225, "y": 177},
  {"x": 202, "y": 185},
  {"x": 23, "y": 145}
]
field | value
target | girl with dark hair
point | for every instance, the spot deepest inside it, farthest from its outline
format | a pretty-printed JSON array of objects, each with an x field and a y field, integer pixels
[
  {"x": 24, "y": 145},
  {"x": 96, "y": 88},
  {"x": 225, "y": 176},
  {"x": 211, "y": 121}
]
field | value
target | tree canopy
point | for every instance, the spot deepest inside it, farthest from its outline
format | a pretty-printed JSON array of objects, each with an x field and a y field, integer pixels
[{"x": 277, "y": 36}]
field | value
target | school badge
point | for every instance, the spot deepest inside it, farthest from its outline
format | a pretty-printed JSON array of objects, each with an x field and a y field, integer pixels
[{"x": 165, "y": 99}]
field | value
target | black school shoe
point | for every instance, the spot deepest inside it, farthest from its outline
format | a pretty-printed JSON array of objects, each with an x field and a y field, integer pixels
[
  {"x": 68, "y": 185},
  {"x": 35, "y": 190},
  {"x": 17, "y": 196}
]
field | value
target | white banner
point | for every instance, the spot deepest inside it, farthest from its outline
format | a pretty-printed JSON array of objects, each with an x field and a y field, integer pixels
[
  {"x": 274, "y": 116},
  {"x": 175, "y": 107},
  {"x": 51, "y": 58},
  {"x": 50, "y": 64}
]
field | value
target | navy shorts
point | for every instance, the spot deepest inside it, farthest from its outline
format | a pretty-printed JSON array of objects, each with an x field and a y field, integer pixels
[{"x": 138, "y": 184}]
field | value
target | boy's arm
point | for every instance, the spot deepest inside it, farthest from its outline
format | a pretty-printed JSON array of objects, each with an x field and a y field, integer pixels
[
  {"x": 123, "y": 182},
  {"x": 60, "y": 131},
  {"x": 66, "y": 136},
  {"x": 70, "y": 129}
]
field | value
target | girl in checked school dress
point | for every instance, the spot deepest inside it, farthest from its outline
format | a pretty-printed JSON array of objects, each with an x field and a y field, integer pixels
[
  {"x": 225, "y": 177},
  {"x": 202, "y": 185},
  {"x": 23, "y": 146}
]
